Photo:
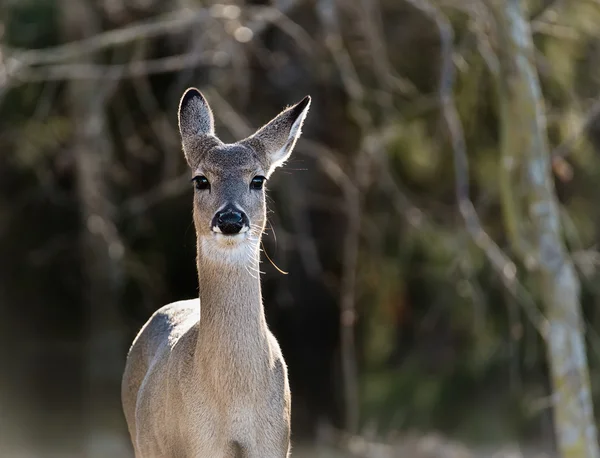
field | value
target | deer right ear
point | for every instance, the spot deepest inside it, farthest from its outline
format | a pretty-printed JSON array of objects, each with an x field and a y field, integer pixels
[
  {"x": 196, "y": 124},
  {"x": 195, "y": 115}
]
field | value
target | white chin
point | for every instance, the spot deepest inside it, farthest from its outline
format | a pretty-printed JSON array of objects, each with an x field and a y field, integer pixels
[
  {"x": 228, "y": 249},
  {"x": 230, "y": 241}
]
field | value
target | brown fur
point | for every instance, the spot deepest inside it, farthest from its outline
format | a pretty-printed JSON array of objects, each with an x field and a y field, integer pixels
[{"x": 205, "y": 378}]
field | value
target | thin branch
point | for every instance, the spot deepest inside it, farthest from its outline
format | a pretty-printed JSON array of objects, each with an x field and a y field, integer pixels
[
  {"x": 166, "y": 190},
  {"x": 294, "y": 31},
  {"x": 134, "y": 69},
  {"x": 49, "y": 63},
  {"x": 368, "y": 14},
  {"x": 165, "y": 24}
]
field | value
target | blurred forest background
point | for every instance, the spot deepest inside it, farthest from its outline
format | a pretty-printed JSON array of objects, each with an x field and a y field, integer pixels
[{"x": 408, "y": 324}]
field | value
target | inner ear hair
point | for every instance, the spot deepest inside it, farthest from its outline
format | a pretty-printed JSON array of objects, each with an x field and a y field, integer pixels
[{"x": 276, "y": 139}]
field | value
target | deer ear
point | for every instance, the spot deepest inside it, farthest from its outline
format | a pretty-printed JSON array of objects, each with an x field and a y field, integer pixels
[
  {"x": 276, "y": 139},
  {"x": 195, "y": 115},
  {"x": 196, "y": 124}
]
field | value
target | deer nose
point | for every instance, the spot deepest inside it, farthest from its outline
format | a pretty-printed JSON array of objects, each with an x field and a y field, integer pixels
[{"x": 230, "y": 221}]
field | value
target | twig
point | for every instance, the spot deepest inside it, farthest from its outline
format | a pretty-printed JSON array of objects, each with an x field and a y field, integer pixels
[
  {"x": 165, "y": 190},
  {"x": 294, "y": 31},
  {"x": 169, "y": 23},
  {"x": 22, "y": 65},
  {"x": 88, "y": 71},
  {"x": 368, "y": 14}
]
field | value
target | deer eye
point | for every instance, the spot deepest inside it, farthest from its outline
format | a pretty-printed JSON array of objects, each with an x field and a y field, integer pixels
[
  {"x": 257, "y": 182},
  {"x": 201, "y": 183}
]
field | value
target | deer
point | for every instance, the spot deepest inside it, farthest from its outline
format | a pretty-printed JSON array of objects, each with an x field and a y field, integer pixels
[{"x": 205, "y": 377}]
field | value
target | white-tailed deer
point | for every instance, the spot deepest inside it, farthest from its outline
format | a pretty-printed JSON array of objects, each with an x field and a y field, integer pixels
[{"x": 205, "y": 377}]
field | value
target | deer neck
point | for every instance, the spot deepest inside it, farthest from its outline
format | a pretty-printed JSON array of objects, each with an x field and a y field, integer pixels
[{"x": 232, "y": 326}]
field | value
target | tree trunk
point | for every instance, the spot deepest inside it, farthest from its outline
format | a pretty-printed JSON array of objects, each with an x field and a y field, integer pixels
[
  {"x": 526, "y": 167},
  {"x": 101, "y": 249}
]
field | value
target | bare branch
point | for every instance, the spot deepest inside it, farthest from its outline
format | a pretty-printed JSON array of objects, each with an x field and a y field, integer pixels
[
  {"x": 49, "y": 63},
  {"x": 368, "y": 15},
  {"x": 166, "y": 24},
  {"x": 165, "y": 190},
  {"x": 133, "y": 69}
]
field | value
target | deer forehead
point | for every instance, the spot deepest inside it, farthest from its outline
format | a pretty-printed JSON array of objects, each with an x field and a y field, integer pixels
[{"x": 232, "y": 159}]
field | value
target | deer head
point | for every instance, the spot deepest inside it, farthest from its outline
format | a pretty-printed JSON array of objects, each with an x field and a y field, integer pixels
[{"x": 229, "y": 179}]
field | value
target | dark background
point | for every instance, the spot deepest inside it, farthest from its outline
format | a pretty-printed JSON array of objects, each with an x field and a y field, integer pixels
[{"x": 95, "y": 210}]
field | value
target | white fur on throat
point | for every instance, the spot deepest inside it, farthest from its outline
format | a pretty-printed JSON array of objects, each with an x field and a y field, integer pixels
[{"x": 239, "y": 249}]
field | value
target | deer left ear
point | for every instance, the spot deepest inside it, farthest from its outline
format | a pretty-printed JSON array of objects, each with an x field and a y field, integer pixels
[{"x": 277, "y": 138}]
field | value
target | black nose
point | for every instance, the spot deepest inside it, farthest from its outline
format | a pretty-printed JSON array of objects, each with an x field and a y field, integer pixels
[{"x": 230, "y": 221}]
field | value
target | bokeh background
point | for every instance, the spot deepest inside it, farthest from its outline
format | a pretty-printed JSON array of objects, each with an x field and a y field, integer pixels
[{"x": 402, "y": 335}]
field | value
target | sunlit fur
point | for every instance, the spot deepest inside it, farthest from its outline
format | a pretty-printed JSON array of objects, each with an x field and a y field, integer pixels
[{"x": 205, "y": 378}]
